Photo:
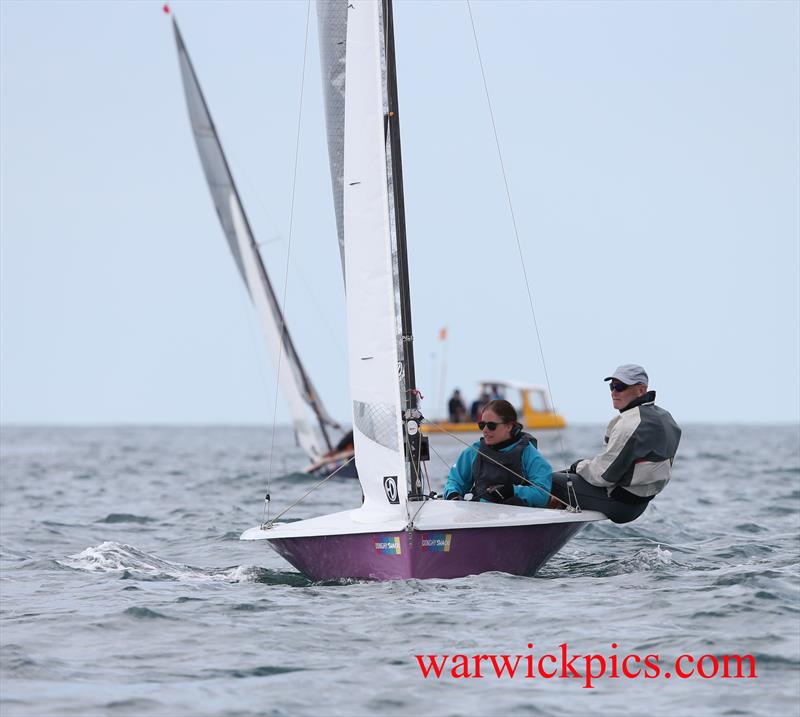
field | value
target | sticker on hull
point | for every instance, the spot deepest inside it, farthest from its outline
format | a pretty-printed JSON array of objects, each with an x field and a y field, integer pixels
[
  {"x": 388, "y": 546},
  {"x": 436, "y": 542}
]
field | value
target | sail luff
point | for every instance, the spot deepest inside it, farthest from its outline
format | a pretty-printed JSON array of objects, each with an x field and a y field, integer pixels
[{"x": 247, "y": 256}]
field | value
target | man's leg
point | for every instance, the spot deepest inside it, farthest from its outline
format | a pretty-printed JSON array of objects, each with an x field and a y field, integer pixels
[{"x": 590, "y": 497}]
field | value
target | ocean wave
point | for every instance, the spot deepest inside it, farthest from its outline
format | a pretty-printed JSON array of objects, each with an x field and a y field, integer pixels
[
  {"x": 584, "y": 564},
  {"x": 260, "y": 671},
  {"x": 126, "y": 628},
  {"x": 145, "y": 613},
  {"x": 126, "y": 518},
  {"x": 646, "y": 560},
  {"x": 131, "y": 563},
  {"x": 133, "y": 706}
]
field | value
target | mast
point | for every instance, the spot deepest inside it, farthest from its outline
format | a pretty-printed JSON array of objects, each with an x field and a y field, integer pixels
[
  {"x": 416, "y": 444},
  {"x": 393, "y": 130},
  {"x": 219, "y": 160}
]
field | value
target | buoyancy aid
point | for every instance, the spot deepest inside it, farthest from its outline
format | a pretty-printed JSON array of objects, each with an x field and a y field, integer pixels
[{"x": 487, "y": 473}]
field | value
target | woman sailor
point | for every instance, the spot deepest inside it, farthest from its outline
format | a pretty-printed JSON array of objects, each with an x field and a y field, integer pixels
[{"x": 504, "y": 466}]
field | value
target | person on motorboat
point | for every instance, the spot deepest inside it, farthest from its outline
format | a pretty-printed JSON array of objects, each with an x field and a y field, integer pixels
[
  {"x": 477, "y": 406},
  {"x": 504, "y": 466},
  {"x": 455, "y": 408},
  {"x": 636, "y": 464}
]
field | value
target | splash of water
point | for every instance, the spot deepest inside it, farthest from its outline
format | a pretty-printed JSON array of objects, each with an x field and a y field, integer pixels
[{"x": 113, "y": 557}]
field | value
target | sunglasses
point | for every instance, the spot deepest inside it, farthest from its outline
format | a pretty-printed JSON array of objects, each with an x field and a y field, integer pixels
[
  {"x": 491, "y": 425},
  {"x": 617, "y": 387}
]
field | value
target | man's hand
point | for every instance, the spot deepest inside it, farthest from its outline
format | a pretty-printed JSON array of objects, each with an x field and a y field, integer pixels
[{"x": 573, "y": 468}]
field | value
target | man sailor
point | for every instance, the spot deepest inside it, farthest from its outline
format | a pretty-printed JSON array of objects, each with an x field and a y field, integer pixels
[{"x": 636, "y": 464}]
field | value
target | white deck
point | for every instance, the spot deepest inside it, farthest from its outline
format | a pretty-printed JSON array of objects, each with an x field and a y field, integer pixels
[{"x": 432, "y": 515}]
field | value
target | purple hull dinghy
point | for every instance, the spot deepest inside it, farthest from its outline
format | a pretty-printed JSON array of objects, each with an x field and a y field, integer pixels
[
  {"x": 399, "y": 532},
  {"x": 515, "y": 540}
]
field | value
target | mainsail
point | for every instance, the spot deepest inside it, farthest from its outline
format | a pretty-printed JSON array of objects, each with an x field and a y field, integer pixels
[
  {"x": 373, "y": 322},
  {"x": 295, "y": 385},
  {"x": 332, "y": 31}
]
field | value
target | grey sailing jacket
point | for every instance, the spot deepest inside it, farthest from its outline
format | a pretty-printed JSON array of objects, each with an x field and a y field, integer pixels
[{"x": 641, "y": 443}]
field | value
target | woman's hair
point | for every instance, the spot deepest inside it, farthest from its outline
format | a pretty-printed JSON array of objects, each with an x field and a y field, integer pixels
[{"x": 503, "y": 409}]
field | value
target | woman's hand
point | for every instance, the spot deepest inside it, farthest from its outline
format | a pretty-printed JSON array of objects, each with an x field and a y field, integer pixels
[{"x": 499, "y": 493}]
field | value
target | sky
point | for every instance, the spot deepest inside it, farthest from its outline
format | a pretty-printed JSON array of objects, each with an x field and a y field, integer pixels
[{"x": 651, "y": 149}]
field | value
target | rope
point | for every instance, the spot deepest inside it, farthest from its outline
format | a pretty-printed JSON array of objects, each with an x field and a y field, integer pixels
[
  {"x": 414, "y": 466},
  {"x": 438, "y": 455},
  {"x": 286, "y": 269},
  {"x": 427, "y": 478},
  {"x": 571, "y": 494},
  {"x": 412, "y": 518},
  {"x": 513, "y": 217},
  {"x": 268, "y": 524}
]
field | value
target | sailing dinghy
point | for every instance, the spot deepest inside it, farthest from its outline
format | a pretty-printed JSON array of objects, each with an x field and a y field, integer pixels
[
  {"x": 305, "y": 405},
  {"x": 399, "y": 531}
]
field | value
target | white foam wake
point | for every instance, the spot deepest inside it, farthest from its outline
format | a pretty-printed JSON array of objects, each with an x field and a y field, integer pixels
[
  {"x": 112, "y": 557},
  {"x": 649, "y": 558}
]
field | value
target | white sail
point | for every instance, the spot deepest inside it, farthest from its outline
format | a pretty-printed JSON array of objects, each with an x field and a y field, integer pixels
[
  {"x": 272, "y": 330},
  {"x": 372, "y": 318},
  {"x": 295, "y": 385},
  {"x": 332, "y": 31}
]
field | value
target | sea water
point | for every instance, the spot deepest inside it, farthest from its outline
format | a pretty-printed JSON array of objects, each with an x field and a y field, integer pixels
[{"x": 125, "y": 589}]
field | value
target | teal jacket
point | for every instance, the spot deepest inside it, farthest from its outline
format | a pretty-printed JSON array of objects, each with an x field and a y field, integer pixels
[{"x": 536, "y": 469}]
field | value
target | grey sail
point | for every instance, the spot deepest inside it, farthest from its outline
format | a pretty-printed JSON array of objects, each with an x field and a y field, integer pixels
[
  {"x": 295, "y": 384},
  {"x": 332, "y": 26}
]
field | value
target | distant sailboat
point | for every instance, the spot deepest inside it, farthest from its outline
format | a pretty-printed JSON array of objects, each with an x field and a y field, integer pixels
[
  {"x": 399, "y": 531},
  {"x": 305, "y": 405}
]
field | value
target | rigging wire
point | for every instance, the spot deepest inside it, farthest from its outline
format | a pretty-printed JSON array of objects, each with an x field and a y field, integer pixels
[
  {"x": 269, "y": 523},
  {"x": 438, "y": 455},
  {"x": 513, "y": 219},
  {"x": 288, "y": 255},
  {"x": 276, "y": 237}
]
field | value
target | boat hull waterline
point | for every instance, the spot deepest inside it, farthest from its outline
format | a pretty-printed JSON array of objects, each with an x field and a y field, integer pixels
[
  {"x": 452, "y": 553},
  {"x": 444, "y": 539},
  {"x": 518, "y": 550}
]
